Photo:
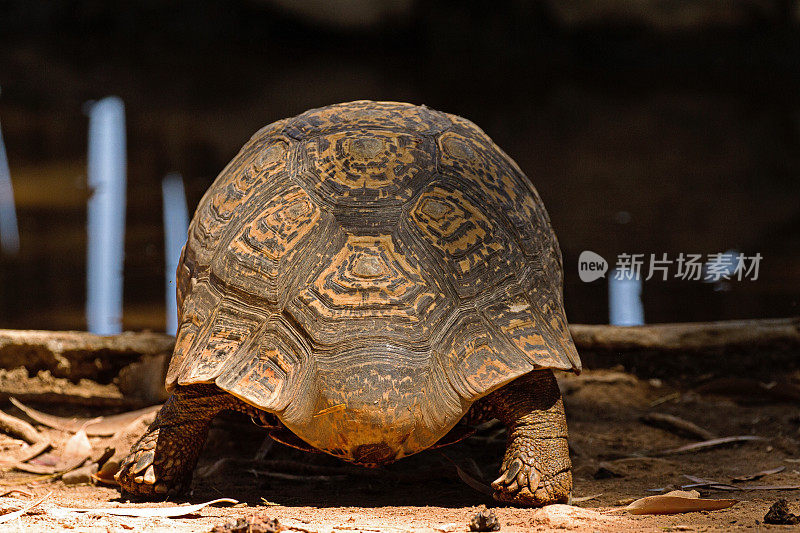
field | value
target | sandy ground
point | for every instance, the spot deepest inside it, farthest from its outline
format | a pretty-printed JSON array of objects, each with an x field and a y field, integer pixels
[{"x": 614, "y": 457}]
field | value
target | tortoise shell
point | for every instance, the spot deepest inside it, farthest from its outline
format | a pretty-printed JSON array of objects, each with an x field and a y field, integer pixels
[{"x": 366, "y": 271}]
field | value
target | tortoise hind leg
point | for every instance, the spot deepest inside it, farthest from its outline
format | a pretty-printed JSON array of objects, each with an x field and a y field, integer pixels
[
  {"x": 536, "y": 468},
  {"x": 162, "y": 461}
]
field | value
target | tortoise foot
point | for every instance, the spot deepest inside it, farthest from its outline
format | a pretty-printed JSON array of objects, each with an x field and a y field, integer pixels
[
  {"x": 534, "y": 473},
  {"x": 161, "y": 462},
  {"x": 153, "y": 468}
]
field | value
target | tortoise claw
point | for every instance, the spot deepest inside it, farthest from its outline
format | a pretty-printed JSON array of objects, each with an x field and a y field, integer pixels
[
  {"x": 144, "y": 460},
  {"x": 510, "y": 474},
  {"x": 150, "y": 476}
]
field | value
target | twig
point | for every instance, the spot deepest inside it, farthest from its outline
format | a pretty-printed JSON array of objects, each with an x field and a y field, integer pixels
[
  {"x": 101, "y": 426},
  {"x": 163, "y": 512},
  {"x": 698, "y": 482},
  {"x": 665, "y": 399},
  {"x": 585, "y": 498},
  {"x": 712, "y": 443},
  {"x": 676, "y": 425},
  {"x": 34, "y": 450},
  {"x": 758, "y": 475},
  {"x": 24, "y": 480},
  {"x": 19, "y": 491},
  {"x": 769, "y": 487},
  {"x": 711, "y": 484},
  {"x": 292, "y": 477},
  {"x": 13, "y": 426},
  {"x": 56, "y": 470},
  {"x": 16, "y": 514}
]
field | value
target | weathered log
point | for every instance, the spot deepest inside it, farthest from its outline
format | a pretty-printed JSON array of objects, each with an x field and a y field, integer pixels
[
  {"x": 76, "y": 354},
  {"x": 697, "y": 336},
  {"x": 764, "y": 349},
  {"x": 43, "y": 388},
  {"x": 73, "y": 367}
]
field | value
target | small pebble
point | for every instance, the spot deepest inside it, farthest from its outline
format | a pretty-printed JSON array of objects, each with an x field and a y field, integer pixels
[
  {"x": 251, "y": 524},
  {"x": 605, "y": 472},
  {"x": 485, "y": 520},
  {"x": 80, "y": 475},
  {"x": 779, "y": 514}
]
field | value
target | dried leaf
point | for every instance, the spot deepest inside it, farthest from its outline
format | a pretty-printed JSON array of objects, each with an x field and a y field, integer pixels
[
  {"x": 470, "y": 480},
  {"x": 101, "y": 478},
  {"x": 696, "y": 479},
  {"x": 16, "y": 514},
  {"x": 677, "y": 502},
  {"x": 102, "y": 426},
  {"x": 119, "y": 447},
  {"x": 35, "y": 468},
  {"x": 712, "y": 486},
  {"x": 758, "y": 475},
  {"x": 665, "y": 399},
  {"x": 162, "y": 512},
  {"x": 77, "y": 450},
  {"x": 78, "y": 445},
  {"x": 79, "y": 476}
]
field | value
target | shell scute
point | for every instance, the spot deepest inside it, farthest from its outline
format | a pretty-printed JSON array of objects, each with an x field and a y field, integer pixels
[
  {"x": 231, "y": 194},
  {"x": 262, "y": 246},
  {"x": 365, "y": 167},
  {"x": 486, "y": 168},
  {"x": 475, "y": 251},
  {"x": 224, "y": 333},
  {"x": 365, "y": 114},
  {"x": 368, "y": 287},
  {"x": 271, "y": 370}
]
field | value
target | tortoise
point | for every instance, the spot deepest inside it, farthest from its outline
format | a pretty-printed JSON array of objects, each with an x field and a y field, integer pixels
[{"x": 368, "y": 279}]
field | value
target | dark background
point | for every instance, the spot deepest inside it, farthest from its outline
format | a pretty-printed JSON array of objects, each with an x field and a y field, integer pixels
[{"x": 648, "y": 126}]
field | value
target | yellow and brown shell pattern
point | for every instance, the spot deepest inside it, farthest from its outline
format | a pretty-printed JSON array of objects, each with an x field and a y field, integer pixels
[{"x": 366, "y": 271}]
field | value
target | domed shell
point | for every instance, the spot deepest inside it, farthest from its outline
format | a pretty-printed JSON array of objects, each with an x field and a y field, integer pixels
[{"x": 369, "y": 246}]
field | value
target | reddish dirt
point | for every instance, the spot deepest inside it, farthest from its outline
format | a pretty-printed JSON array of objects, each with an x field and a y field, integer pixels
[{"x": 316, "y": 493}]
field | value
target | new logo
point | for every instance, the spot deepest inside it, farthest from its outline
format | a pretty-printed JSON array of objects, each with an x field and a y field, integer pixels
[{"x": 591, "y": 266}]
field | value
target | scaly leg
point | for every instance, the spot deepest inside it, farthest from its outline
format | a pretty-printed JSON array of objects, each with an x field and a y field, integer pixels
[
  {"x": 162, "y": 461},
  {"x": 536, "y": 469}
]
